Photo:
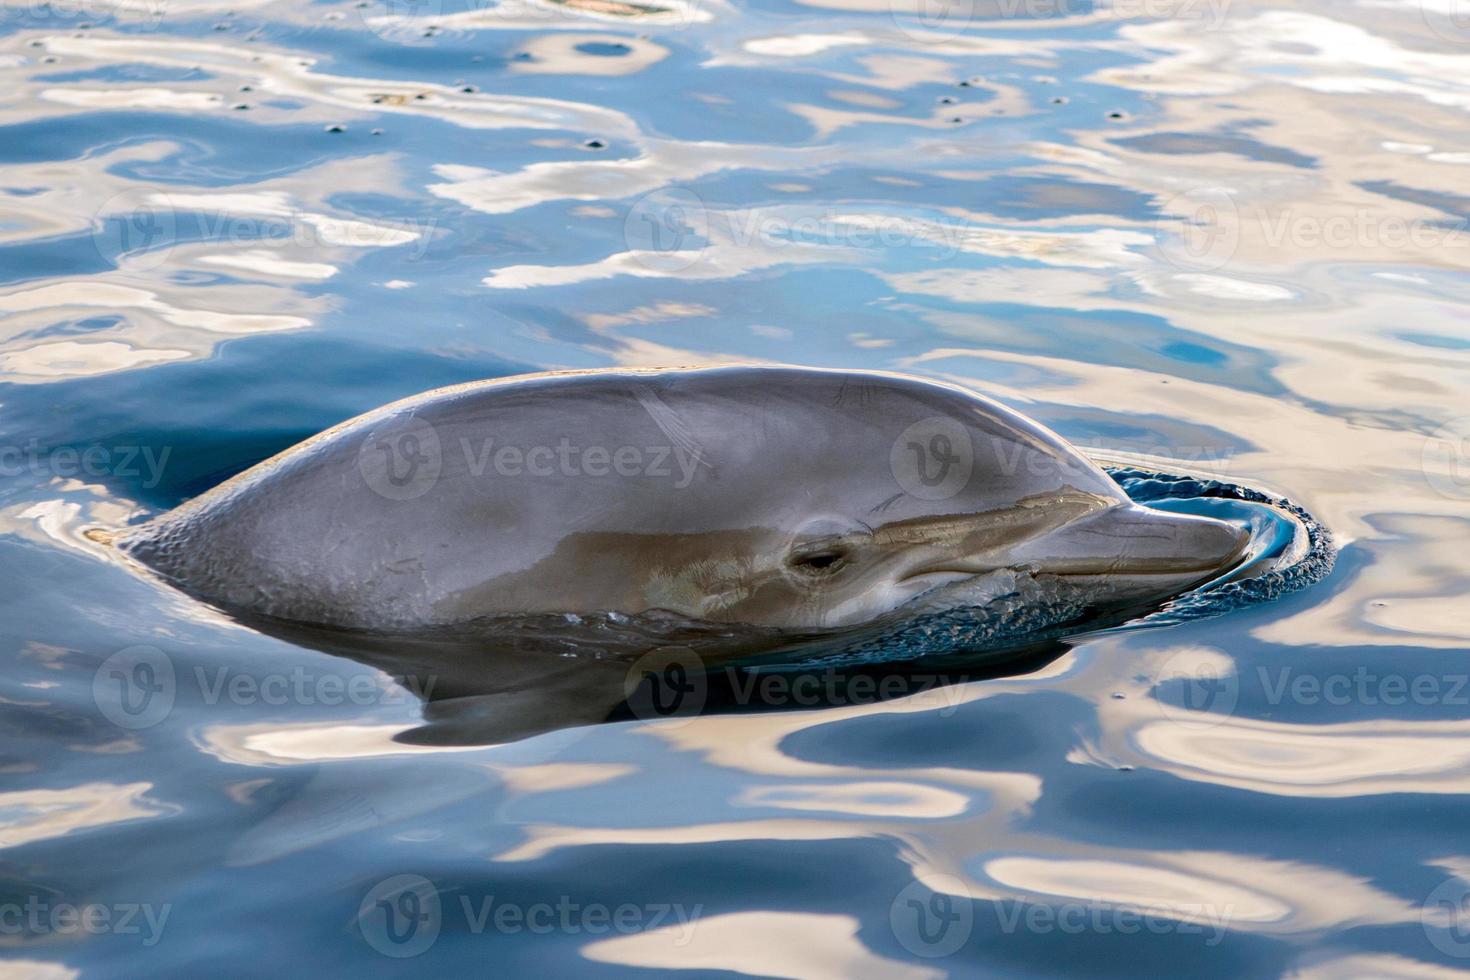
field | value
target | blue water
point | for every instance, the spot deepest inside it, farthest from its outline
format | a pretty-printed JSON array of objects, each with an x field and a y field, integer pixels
[{"x": 1225, "y": 239}]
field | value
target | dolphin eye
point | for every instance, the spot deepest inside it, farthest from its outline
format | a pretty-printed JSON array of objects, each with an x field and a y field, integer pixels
[
  {"x": 824, "y": 546},
  {"x": 822, "y": 560}
]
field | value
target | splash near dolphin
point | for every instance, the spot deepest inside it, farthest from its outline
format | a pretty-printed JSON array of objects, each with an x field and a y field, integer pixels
[{"x": 779, "y": 500}]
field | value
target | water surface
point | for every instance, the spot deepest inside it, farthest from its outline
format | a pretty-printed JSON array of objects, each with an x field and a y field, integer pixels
[{"x": 1216, "y": 237}]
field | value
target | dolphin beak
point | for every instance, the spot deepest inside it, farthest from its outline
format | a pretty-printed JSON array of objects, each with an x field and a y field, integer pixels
[
  {"x": 1134, "y": 542},
  {"x": 1123, "y": 553}
]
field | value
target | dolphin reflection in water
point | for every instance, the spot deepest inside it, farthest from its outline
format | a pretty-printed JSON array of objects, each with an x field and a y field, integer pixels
[{"x": 577, "y": 521}]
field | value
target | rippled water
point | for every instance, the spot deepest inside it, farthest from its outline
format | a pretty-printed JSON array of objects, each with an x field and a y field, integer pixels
[{"x": 1220, "y": 237}]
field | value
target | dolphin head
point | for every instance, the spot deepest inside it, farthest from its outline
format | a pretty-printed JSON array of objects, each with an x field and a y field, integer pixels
[
  {"x": 826, "y": 499},
  {"x": 1116, "y": 553},
  {"x": 920, "y": 492}
]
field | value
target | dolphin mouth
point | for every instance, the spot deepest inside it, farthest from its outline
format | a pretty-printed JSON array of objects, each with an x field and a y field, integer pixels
[
  {"x": 1139, "y": 567},
  {"x": 1124, "y": 542}
]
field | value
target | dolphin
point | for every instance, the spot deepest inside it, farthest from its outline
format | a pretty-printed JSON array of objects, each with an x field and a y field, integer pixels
[{"x": 774, "y": 498}]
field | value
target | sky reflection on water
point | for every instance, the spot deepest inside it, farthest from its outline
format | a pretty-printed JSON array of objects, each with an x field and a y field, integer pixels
[{"x": 1226, "y": 237}]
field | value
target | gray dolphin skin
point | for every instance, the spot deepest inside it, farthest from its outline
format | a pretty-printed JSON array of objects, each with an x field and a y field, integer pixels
[{"x": 775, "y": 497}]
